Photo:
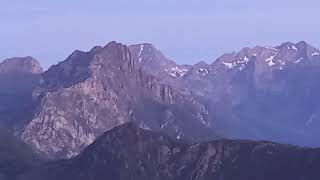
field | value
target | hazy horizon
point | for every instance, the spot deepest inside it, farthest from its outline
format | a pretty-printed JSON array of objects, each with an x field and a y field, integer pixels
[{"x": 185, "y": 32}]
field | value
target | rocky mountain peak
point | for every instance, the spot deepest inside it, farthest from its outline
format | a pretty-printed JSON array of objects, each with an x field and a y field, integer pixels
[
  {"x": 91, "y": 92},
  {"x": 152, "y": 61},
  {"x": 301, "y": 45},
  {"x": 146, "y": 52},
  {"x": 80, "y": 65},
  {"x": 271, "y": 58},
  {"x": 21, "y": 65},
  {"x": 115, "y": 54},
  {"x": 147, "y": 55},
  {"x": 198, "y": 70},
  {"x": 289, "y": 46}
]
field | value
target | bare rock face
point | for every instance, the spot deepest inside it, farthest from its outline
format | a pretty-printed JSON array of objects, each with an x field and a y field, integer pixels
[
  {"x": 92, "y": 92},
  {"x": 152, "y": 61},
  {"x": 128, "y": 152}
]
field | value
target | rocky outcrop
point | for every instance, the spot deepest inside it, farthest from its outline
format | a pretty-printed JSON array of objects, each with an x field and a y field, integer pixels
[
  {"x": 128, "y": 152},
  {"x": 20, "y": 65},
  {"x": 154, "y": 62},
  {"x": 92, "y": 92}
]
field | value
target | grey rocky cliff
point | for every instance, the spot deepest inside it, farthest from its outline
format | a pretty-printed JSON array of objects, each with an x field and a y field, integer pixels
[{"x": 154, "y": 62}]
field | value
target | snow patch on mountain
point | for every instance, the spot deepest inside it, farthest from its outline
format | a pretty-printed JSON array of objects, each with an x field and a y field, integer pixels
[
  {"x": 178, "y": 72},
  {"x": 270, "y": 59},
  {"x": 245, "y": 60},
  {"x": 241, "y": 64},
  {"x": 141, "y": 49},
  {"x": 282, "y": 64},
  {"x": 292, "y": 47},
  {"x": 272, "y": 48},
  {"x": 203, "y": 71},
  {"x": 298, "y": 60},
  {"x": 230, "y": 65},
  {"x": 140, "y": 52},
  {"x": 164, "y": 124},
  {"x": 174, "y": 74}
]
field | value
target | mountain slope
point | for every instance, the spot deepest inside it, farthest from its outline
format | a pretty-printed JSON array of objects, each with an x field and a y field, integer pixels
[
  {"x": 15, "y": 156},
  {"x": 128, "y": 152},
  {"x": 262, "y": 93}
]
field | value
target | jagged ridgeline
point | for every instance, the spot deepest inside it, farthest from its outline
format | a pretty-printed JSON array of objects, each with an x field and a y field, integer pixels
[{"x": 260, "y": 93}]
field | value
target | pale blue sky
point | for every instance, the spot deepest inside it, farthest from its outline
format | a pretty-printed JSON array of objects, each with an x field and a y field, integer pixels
[{"x": 185, "y": 30}]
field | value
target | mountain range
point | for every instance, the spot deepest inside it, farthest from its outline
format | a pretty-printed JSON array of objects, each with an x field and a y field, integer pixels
[
  {"x": 186, "y": 113},
  {"x": 260, "y": 93}
]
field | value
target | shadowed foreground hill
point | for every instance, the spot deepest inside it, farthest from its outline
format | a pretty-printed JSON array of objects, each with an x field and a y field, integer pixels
[
  {"x": 15, "y": 156},
  {"x": 128, "y": 152}
]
